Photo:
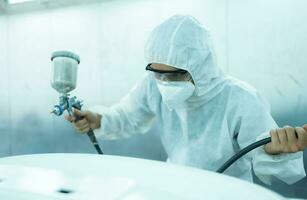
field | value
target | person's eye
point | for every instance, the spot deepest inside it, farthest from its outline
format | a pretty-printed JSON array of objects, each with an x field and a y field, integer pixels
[{"x": 178, "y": 75}]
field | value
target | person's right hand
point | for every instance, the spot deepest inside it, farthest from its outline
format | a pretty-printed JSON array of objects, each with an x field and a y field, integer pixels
[
  {"x": 89, "y": 120},
  {"x": 287, "y": 140}
]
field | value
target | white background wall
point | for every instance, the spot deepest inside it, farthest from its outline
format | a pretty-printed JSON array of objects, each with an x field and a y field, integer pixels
[
  {"x": 262, "y": 42},
  {"x": 268, "y": 48}
]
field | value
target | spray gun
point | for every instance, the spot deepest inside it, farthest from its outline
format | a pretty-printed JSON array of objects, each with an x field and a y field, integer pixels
[{"x": 64, "y": 80}]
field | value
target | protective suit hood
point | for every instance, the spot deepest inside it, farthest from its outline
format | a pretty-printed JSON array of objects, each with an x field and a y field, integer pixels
[{"x": 182, "y": 42}]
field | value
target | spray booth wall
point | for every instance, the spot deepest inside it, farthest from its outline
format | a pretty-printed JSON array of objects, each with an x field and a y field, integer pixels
[{"x": 262, "y": 42}]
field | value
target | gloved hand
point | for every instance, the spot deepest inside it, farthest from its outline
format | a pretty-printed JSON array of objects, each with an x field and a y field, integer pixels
[
  {"x": 89, "y": 120},
  {"x": 287, "y": 140}
]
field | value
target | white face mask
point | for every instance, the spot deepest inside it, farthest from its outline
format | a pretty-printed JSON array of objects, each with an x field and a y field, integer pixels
[{"x": 175, "y": 93}]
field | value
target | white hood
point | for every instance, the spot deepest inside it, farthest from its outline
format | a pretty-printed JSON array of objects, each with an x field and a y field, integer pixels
[{"x": 182, "y": 42}]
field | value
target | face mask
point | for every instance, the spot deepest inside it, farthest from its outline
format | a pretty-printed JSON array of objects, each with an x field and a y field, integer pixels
[{"x": 175, "y": 93}]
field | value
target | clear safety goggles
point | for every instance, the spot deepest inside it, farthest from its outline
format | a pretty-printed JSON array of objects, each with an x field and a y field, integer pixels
[{"x": 177, "y": 75}]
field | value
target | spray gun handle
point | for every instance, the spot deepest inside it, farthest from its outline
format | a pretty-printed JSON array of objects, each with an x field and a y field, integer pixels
[
  {"x": 68, "y": 104},
  {"x": 91, "y": 135}
]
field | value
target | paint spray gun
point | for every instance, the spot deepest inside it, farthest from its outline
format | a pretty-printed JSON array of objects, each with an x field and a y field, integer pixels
[{"x": 64, "y": 80}]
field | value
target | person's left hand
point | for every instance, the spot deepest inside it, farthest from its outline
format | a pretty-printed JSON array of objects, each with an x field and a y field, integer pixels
[{"x": 287, "y": 140}]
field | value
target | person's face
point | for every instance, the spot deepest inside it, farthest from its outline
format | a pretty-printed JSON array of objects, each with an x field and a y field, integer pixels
[{"x": 168, "y": 73}]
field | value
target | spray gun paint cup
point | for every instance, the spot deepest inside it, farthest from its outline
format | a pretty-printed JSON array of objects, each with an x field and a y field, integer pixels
[{"x": 64, "y": 68}]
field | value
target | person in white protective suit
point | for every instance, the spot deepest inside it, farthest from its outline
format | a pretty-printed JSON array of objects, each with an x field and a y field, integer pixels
[{"x": 206, "y": 116}]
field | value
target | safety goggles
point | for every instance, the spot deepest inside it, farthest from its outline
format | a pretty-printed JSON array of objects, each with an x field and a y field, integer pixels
[{"x": 177, "y": 75}]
